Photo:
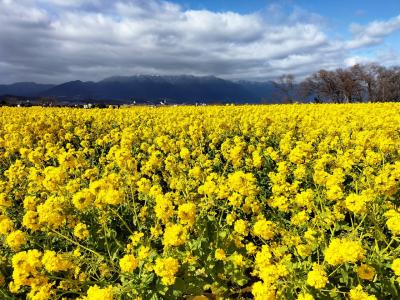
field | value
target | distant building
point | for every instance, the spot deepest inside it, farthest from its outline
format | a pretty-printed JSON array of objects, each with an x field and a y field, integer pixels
[{"x": 89, "y": 105}]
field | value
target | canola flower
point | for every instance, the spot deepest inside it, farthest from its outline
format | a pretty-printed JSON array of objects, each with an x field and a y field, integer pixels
[
  {"x": 81, "y": 231},
  {"x": 242, "y": 202},
  {"x": 166, "y": 268},
  {"x": 317, "y": 277},
  {"x": 97, "y": 293},
  {"x": 343, "y": 250},
  {"x": 366, "y": 272},
  {"x": 128, "y": 263},
  {"x": 357, "y": 293}
]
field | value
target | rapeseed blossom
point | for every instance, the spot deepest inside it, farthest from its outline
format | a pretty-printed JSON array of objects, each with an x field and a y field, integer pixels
[
  {"x": 317, "y": 277},
  {"x": 128, "y": 263},
  {"x": 263, "y": 202},
  {"x": 167, "y": 268},
  {"x": 343, "y": 250}
]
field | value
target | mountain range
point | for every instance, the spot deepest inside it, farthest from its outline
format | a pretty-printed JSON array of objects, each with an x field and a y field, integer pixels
[{"x": 185, "y": 89}]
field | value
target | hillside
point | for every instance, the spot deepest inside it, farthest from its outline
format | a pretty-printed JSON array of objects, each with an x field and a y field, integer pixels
[{"x": 145, "y": 88}]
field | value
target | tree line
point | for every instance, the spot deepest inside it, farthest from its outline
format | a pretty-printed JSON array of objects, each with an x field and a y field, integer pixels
[{"x": 359, "y": 83}]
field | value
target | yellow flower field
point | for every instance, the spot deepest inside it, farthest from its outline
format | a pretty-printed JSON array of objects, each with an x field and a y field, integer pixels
[{"x": 233, "y": 202}]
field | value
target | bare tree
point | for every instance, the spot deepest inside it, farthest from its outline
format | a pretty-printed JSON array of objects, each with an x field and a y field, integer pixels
[
  {"x": 358, "y": 83},
  {"x": 388, "y": 84},
  {"x": 285, "y": 87},
  {"x": 324, "y": 86},
  {"x": 308, "y": 89},
  {"x": 350, "y": 85},
  {"x": 367, "y": 76},
  {"x": 370, "y": 82},
  {"x": 330, "y": 86}
]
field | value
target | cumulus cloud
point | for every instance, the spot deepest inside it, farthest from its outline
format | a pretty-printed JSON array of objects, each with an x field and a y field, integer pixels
[
  {"x": 56, "y": 41},
  {"x": 373, "y": 33}
]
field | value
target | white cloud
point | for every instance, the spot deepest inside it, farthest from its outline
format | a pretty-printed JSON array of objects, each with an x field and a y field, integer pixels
[
  {"x": 357, "y": 59},
  {"x": 55, "y": 41},
  {"x": 373, "y": 33}
]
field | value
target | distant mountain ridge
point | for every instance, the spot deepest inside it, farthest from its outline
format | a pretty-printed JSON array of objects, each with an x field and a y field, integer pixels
[
  {"x": 150, "y": 88},
  {"x": 24, "y": 88}
]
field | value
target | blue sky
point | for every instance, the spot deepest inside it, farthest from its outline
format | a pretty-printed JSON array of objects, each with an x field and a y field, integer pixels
[
  {"x": 338, "y": 14},
  {"x": 59, "y": 40},
  {"x": 341, "y": 11}
]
